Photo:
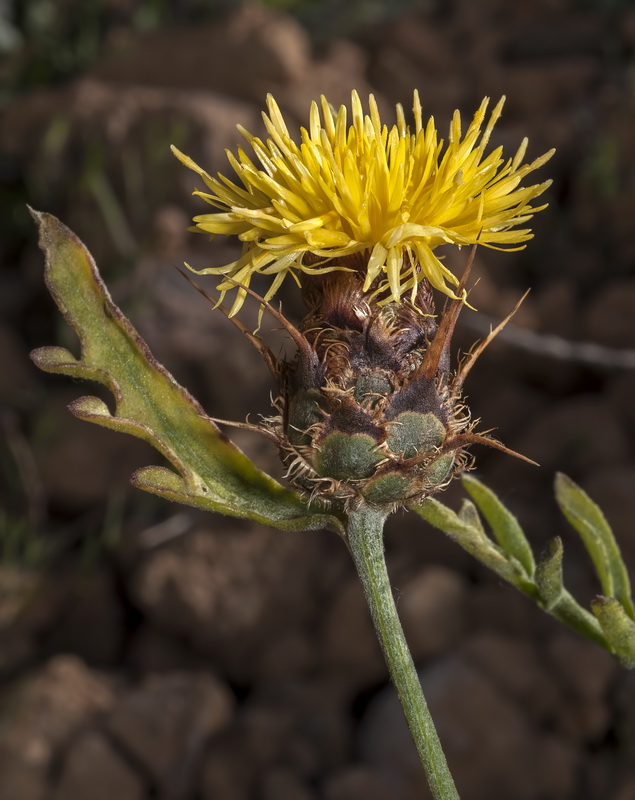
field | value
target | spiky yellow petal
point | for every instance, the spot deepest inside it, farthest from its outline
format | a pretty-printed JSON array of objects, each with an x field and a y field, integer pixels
[{"x": 360, "y": 187}]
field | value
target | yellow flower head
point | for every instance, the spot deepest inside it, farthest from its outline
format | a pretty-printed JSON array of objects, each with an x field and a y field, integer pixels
[{"x": 393, "y": 195}]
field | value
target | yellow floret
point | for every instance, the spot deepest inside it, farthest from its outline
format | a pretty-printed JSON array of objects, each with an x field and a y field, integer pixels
[{"x": 393, "y": 195}]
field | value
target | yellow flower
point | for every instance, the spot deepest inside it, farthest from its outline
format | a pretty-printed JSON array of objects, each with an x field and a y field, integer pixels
[{"x": 392, "y": 195}]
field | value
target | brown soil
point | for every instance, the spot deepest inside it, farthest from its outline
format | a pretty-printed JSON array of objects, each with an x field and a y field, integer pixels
[{"x": 148, "y": 651}]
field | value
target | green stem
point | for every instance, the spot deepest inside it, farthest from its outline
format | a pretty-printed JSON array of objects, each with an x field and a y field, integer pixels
[
  {"x": 365, "y": 540},
  {"x": 570, "y": 613}
]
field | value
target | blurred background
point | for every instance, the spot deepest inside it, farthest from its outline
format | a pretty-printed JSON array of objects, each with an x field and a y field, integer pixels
[{"x": 148, "y": 651}]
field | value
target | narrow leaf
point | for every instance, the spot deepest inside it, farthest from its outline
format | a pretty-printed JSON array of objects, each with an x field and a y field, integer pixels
[
  {"x": 589, "y": 521},
  {"x": 549, "y": 575},
  {"x": 504, "y": 525},
  {"x": 470, "y": 536},
  {"x": 470, "y": 516},
  {"x": 210, "y": 472},
  {"x": 618, "y": 628},
  {"x": 544, "y": 586},
  {"x": 568, "y": 611}
]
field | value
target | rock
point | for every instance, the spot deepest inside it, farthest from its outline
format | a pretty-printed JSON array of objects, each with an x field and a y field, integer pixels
[
  {"x": 167, "y": 721},
  {"x": 19, "y": 589},
  {"x": 560, "y": 763},
  {"x": 340, "y": 68},
  {"x": 20, "y": 780},
  {"x": 153, "y": 650},
  {"x": 582, "y": 666},
  {"x": 17, "y": 648},
  {"x": 413, "y": 544},
  {"x": 432, "y": 610},
  {"x": 496, "y": 606},
  {"x": 516, "y": 666},
  {"x": 416, "y": 54},
  {"x": 416, "y": 36},
  {"x": 230, "y": 590},
  {"x": 519, "y": 668},
  {"x": 626, "y": 790},
  {"x": 81, "y": 464},
  {"x": 488, "y": 741},
  {"x": 301, "y": 726},
  {"x": 288, "y": 656},
  {"x": 282, "y": 784},
  {"x": 360, "y": 783},
  {"x": 226, "y": 773},
  {"x": 92, "y": 769},
  {"x": 270, "y": 730},
  {"x": 90, "y": 622},
  {"x": 271, "y": 48},
  {"x": 48, "y": 706},
  {"x": 348, "y": 646},
  {"x": 119, "y": 122}
]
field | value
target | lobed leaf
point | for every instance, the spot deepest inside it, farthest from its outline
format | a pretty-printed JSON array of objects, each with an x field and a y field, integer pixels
[{"x": 209, "y": 471}]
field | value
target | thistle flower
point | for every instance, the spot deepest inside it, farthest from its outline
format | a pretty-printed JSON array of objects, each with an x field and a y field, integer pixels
[
  {"x": 363, "y": 194},
  {"x": 369, "y": 409}
]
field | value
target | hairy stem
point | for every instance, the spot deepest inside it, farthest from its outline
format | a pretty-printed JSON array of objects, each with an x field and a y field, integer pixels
[
  {"x": 570, "y": 613},
  {"x": 365, "y": 541}
]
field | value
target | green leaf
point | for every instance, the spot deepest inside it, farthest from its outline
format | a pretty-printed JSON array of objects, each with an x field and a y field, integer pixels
[
  {"x": 544, "y": 586},
  {"x": 209, "y": 471},
  {"x": 469, "y": 515},
  {"x": 549, "y": 575},
  {"x": 618, "y": 628},
  {"x": 468, "y": 533},
  {"x": 589, "y": 521},
  {"x": 503, "y": 523}
]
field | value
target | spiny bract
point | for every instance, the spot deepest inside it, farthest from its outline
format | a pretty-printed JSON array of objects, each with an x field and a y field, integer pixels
[{"x": 370, "y": 407}]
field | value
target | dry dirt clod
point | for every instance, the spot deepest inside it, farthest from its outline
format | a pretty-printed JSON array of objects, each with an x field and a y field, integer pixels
[{"x": 166, "y": 723}]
